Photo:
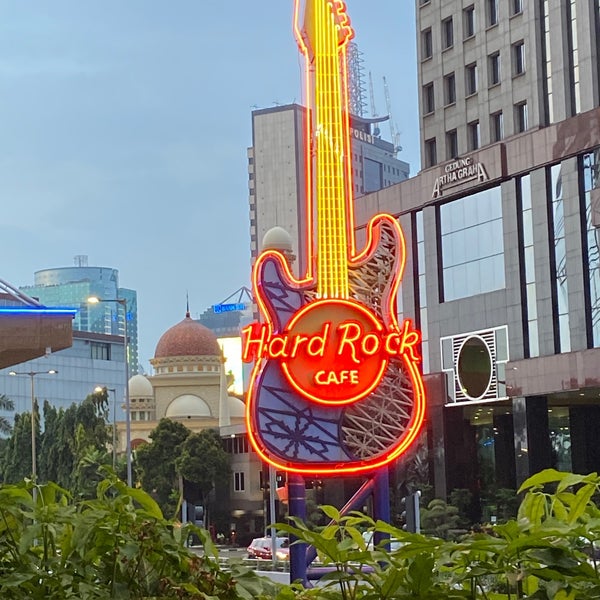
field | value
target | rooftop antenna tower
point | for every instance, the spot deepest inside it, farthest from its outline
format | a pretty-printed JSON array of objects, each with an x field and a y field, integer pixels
[
  {"x": 356, "y": 85},
  {"x": 393, "y": 132}
]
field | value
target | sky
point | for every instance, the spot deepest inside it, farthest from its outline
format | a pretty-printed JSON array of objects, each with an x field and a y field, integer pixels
[{"x": 124, "y": 126}]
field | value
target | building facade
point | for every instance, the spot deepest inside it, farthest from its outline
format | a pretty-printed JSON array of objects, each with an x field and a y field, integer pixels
[
  {"x": 503, "y": 246},
  {"x": 72, "y": 286},
  {"x": 94, "y": 359}
]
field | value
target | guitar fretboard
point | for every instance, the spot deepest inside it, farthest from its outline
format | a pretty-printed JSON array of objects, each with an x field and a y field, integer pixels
[{"x": 328, "y": 100}]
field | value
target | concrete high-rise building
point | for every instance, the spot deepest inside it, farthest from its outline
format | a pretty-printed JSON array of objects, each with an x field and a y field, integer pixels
[
  {"x": 72, "y": 286},
  {"x": 491, "y": 69},
  {"x": 503, "y": 239},
  {"x": 276, "y": 171}
]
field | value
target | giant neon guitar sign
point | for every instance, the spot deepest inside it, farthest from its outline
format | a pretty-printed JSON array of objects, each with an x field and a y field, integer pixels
[{"x": 335, "y": 388}]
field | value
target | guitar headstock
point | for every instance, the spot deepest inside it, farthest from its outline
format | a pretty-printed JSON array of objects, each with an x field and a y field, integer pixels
[{"x": 313, "y": 19}]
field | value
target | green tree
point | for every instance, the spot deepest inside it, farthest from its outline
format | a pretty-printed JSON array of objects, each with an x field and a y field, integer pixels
[
  {"x": 17, "y": 455},
  {"x": 48, "y": 463},
  {"x": 6, "y": 404},
  {"x": 203, "y": 461},
  {"x": 156, "y": 463},
  {"x": 439, "y": 519}
]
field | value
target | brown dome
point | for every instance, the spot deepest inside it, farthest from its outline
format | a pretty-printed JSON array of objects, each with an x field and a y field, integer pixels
[{"x": 187, "y": 338}]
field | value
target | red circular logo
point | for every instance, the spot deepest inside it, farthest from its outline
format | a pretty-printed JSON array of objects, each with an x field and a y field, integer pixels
[{"x": 336, "y": 351}]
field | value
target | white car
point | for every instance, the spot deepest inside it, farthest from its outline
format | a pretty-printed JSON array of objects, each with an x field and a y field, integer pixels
[{"x": 262, "y": 547}]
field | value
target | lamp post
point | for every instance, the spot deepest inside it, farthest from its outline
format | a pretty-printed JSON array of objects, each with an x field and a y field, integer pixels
[
  {"x": 123, "y": 302},
  {"x": 32, "y": 375},
  {"x": 99, "y": 389}
]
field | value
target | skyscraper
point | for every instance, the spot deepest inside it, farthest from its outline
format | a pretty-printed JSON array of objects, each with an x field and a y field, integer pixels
[
  {"x": 276, "y": 168},
  {"x": 72, "y": 286}
]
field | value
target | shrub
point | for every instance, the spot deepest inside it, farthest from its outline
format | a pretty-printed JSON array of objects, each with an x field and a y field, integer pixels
[{"x": 116, "y": 546}]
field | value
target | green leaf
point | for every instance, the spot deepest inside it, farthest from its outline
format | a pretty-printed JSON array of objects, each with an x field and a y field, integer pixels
[
  {"x": 141, "y": 497},
  {"x": 582, "y": 498},
  {"x": 332, "y": 512},
  {"x": 420, "y": 574},
  {"x": 533, "y": 508},
  {"x": 569, "y": 480},
  {"x": 541, "y": 478},
  {"x": 559, "y": 509}
]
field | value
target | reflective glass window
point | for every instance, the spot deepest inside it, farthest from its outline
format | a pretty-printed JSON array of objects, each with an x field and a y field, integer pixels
[
  {"x": 574, "y": 57},
  {"x": 560, "y": 257},
  {"x": 591, "y": 205},
  {"x": 547, "y": 58},
  {"x": 420, "y": 231},
  {"x": 472, "y": 245},
  {"x": 530, "y": 324}
]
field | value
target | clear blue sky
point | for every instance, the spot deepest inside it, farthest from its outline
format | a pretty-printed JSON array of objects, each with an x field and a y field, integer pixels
[{"x": 124, "y": 126}]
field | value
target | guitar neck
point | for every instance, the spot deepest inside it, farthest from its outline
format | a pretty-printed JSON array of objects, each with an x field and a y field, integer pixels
[{"x": 332, "y": 171}]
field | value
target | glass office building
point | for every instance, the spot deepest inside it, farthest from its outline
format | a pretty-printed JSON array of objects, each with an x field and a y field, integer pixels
[{"x": 72, "y": 286}]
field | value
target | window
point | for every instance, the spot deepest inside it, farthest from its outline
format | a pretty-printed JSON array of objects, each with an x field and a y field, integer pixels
[
  {"x": 472, "y": 245},
  {"x": 530, "y": 318},
  {"x": 236, "y": 445},
  {"x": 573, "y": 44},
  {"x": 449, "y": 89},
  {"x": 471, "y": 79},
  {"x": 496, "y": 126},
  {"x": 473, "y": 132},
  {"x": 518, "y": 52},
  {"x": 430, "y": 152},
  {"x": 559, "y": 279},
  {"x": 239, "y": 484},
  {"x": 517, "y": 7},
  {"x": 428, "y": 98},
  {"x": 426, "y": 44},
  {"x": 494, "y": 68},
  {"x": 492, "y": 12},
  {"x": 100, "y": 351},
  {"x": 521, "y": 117},
  {"x": 469, "y": 22},
  {"x": 589, "y": 170},
  {"x": 451, "y": 144},
  {"x": 447, "y": 33}
]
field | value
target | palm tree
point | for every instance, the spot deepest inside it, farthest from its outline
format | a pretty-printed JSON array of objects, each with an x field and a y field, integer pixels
[{"x": 6, "y": 404}]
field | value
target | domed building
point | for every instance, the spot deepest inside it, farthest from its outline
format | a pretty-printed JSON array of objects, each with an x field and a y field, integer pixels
[
  {"x": 188, "y": 385},
  {"x": 187, "y": 374}
]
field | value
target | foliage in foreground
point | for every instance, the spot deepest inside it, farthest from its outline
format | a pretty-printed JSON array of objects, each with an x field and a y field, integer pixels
[
  {"x": 546, "y": 553},
  {"x": 119, "y": 546},
  {"x": 116, "y": 546}
]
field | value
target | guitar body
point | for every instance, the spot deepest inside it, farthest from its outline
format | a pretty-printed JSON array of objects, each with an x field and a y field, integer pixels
[{"x": 300, "y": 434}]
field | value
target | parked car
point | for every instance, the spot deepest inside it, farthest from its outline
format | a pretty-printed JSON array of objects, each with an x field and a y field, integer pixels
[{"x": 262, "y": 548}]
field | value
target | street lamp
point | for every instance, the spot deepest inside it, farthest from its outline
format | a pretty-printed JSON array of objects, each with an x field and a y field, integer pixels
[
  {"x": 32, "y": 375},
  {"x": 123, "y": 303},
  {"x": 98, "y": 390}
]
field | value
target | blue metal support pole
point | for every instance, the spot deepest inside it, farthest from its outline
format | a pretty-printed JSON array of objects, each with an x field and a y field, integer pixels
[
  {"x": 381, "y": 502},
  {"x": 297, "y": 508},
  {"x": 355, "y": 503}
]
